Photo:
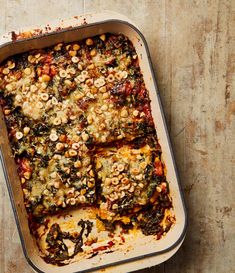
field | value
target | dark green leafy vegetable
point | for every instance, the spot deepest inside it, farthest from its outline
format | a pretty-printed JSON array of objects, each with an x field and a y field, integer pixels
[
  {"x": 150, "y": 220},
  {"x": 58, "y": 250}
]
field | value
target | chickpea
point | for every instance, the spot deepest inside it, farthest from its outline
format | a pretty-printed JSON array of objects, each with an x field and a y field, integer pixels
[
  {"x": 89, "y": 42},
  {"x": 76, "y": 47},
  {"x": 93, "y": 52},
  {"x": 46, "y": 78}
]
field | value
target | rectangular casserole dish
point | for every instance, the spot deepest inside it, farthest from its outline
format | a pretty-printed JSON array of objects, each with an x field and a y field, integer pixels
[{"x": 146, "y": 250}]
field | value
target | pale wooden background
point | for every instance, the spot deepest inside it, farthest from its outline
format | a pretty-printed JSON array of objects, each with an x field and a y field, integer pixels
[{"x": 192, "y": 44}]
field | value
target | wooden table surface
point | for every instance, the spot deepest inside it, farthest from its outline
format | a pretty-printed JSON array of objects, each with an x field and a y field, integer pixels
[{"x": 192, "y": 44}]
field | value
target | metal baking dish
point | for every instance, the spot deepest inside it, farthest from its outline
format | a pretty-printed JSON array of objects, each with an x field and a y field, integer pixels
[{"x": 143, "y": 251}]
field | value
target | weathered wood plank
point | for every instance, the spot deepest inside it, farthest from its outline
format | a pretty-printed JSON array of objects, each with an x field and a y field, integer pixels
[{"x": 202, "y": 91}]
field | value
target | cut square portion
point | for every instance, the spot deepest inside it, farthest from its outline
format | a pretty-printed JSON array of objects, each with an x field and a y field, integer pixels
[
  {"x": 106, "y": 121},
  {"x": 64, "y": 179},
  {"x": 54, "y": 165},
  {"x": 130, "y": 177}
]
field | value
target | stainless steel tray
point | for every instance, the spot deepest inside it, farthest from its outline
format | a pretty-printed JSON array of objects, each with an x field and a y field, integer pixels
[{"x": 142, "y": 251}]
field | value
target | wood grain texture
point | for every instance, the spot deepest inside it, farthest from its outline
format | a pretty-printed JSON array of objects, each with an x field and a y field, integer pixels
[{"x": 192, "y": 44}]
